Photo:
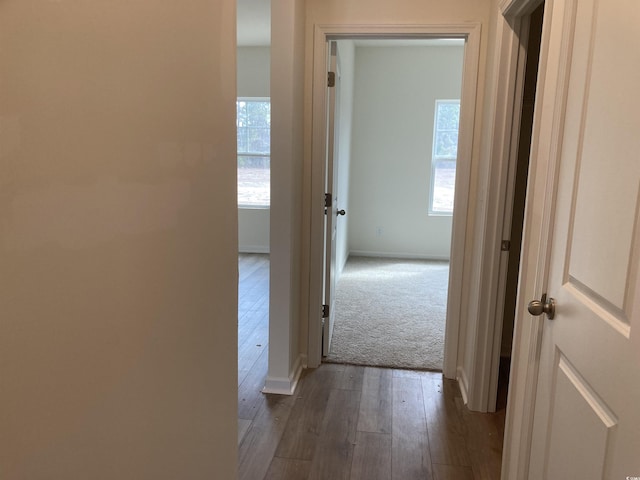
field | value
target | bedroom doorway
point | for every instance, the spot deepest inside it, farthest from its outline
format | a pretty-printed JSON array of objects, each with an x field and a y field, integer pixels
[
  {"x": 394, "y": 162},
  {"x": 469, "y": 35}
]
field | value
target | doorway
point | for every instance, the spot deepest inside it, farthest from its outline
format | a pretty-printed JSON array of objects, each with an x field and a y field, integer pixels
[
  {"x": 518, "y": 188},
  {"x": 394, "y": 159},
  {"x": 469, "y": 34}
]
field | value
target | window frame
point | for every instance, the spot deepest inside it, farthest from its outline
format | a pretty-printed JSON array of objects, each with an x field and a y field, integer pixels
[
  {"x": 437, "y": 160},
  {"x": 252, "y": 154}
]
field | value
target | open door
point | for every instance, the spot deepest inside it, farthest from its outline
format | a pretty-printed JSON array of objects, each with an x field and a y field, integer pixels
[
  {"x": 331, "y": 201},
  {"x": 586, "y": 420}
]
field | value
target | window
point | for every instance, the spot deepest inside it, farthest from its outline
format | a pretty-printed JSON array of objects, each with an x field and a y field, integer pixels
[
  {"x": 445, "y": 154},
  {"x": 253, "y": 122}
]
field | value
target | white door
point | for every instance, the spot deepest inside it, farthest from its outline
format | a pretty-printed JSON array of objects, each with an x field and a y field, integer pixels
[
  {"x": 586, "y": 422},
  {"x": 332, "y": 209}
]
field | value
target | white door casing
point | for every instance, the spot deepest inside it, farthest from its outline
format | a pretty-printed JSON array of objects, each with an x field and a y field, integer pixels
[{"x": 581, "y": 247}]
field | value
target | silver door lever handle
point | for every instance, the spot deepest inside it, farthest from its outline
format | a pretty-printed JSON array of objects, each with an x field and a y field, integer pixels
[{"x": 544, "y": 305}]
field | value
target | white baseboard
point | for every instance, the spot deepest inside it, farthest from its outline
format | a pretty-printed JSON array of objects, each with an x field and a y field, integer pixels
[
  {"x": 253, "y": 249},
  {"x": 463, "y": 383},
  {"x": 285, "y": 385},
  {"x": 419, "y": 256}
]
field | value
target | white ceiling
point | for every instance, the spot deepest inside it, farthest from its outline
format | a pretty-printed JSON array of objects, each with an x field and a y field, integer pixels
[{"x": 254, "y": 23}]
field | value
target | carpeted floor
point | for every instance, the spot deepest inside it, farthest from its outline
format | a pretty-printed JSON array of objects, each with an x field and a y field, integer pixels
[{"x": 391, "y": 313}]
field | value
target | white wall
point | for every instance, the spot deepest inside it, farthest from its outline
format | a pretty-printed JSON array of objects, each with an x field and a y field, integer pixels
[
  {"x": 254, "y": 67},
  {"x": 287, "y": 116},
  {"x": 395, "y": 93},
  {"x": 253, "y": 230},
  {"x": 118, "y": 242},
  {"x": 344, "y": 116},
  {"x": 253, "y": 81}
]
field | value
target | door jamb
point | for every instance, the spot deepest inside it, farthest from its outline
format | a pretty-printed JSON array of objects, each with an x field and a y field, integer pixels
[
  {"x": 495, "y": 213},
  {"x": 322, "y": 33},
  {"x": 505, "y": 145},
  {"x": 551, "y": 96}
]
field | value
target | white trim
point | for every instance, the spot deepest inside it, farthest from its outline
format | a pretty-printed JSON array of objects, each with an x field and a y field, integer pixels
[
  {"x": 243, "y": 206},
  {"x": 507, "y": 146},
  {"x": 417, "y": 256},
  {"x": 488, "y": 301},
  {"x": 285, "y": 386},
  {"x": 514, "y": 9},
  {"x": 253, "y": 249},
  {"x": 453, "y": 344},
  {"x": 253, "y": 99},
  {"x": 469, "y": 31},
  {"x": 463, "y": 385}
]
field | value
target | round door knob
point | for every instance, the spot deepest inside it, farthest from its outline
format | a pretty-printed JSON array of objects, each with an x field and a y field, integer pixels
[
  {"x": 544, "y": 305},
  {"x": 341, "y": 212}
]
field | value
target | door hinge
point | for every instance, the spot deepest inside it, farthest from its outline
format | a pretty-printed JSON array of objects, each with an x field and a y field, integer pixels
[
  {"x": 325, "y": 311},
  {"x": 505, "y": 246},
  {"x": 331, "y": 79},
  {"x": 328, "y": 201}
]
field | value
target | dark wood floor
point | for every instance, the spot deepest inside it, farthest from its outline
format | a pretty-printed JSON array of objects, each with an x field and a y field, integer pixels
[{"x": 348, "y": 422}]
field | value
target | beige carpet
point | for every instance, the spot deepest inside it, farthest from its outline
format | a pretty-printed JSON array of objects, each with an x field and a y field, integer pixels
[{"x": 390, "y": 313}]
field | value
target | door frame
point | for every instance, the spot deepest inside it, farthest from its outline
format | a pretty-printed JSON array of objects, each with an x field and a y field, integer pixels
[
  {"x": 553, "y": 76},
  {"x": 495, "y": 213},
  {"x": 322, "y": 34}
]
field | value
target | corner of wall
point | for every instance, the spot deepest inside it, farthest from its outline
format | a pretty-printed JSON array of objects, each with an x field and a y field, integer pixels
[{"x": 286, "y": 385}]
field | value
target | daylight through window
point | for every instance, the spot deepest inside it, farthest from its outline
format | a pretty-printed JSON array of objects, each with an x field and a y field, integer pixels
[
  {"x": 253, "y": 122},
  {"x": 445, "y": 154}
]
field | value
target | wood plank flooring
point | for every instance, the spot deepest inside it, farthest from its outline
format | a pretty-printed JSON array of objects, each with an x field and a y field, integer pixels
[{"x": 349, "y": 422}]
